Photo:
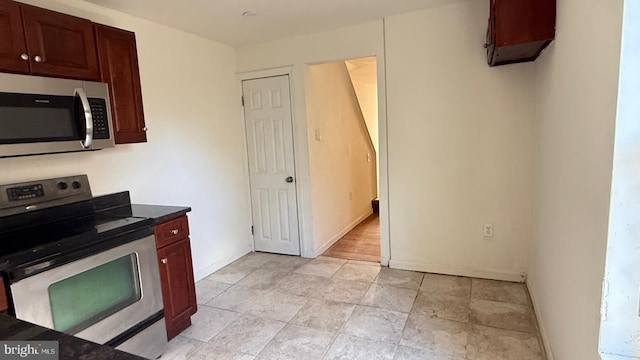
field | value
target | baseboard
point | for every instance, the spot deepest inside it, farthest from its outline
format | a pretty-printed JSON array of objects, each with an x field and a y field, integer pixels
[
  {"x": 384, "y": 261},
  {"x": 457, "y": 270},
  {"x": 220, "y": 263},
  {"x": 541, "y": 325},
  {"x": 319, "y": 251}
]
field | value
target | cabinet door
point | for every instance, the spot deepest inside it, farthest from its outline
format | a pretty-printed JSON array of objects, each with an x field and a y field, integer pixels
[
  {"x": 60, "y": 45},
  {"x": 178, "y": 287},
  {"x": 4, "y": 302},
  {"x": 521, "y": 22},
  {"x": 118, "y": 59},
  {"x": 12, "y": 43}
]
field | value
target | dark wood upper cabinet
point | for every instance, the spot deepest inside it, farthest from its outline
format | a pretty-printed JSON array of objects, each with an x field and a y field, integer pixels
[
  {"x": 42, "y": 42},
  {"x": 118, "y": 59},
  {"x": 13, "y": 49},
  {"x": 60, "y": 45},
  {"x": 519, "y": 30}
]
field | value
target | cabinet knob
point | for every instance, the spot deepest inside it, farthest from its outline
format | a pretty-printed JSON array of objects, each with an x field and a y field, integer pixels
[
  {"x": 37, "y": 59},
  {"x": 24, "y": 57},
  {"x": 164, "y": 261},
  {"x": 144, "y": 129},
  {"x": 486, "y": 45},
  {"x": 175, "y": 231}
]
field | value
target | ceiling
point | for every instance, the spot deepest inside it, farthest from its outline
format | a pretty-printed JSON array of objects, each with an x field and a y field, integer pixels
[{"x": 222, "y": 20}]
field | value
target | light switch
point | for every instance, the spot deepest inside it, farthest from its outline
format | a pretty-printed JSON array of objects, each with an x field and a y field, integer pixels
[{"x": 318, "y": 135}]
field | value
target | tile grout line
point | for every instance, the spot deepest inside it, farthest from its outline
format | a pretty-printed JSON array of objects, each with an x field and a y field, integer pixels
[
  {"x": 339, "y": 332},
  {"x": 324, "y": 354},
  {"x": 409, "y": 314}
]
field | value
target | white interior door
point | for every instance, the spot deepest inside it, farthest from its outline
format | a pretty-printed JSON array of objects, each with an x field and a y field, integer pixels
[{"x": 267, "y": 113}]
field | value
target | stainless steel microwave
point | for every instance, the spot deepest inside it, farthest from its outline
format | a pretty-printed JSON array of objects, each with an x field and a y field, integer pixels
[{"x": 40, "y": 115}]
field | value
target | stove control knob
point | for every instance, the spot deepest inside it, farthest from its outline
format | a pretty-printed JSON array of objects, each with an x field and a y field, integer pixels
[
  {"x": 62, "y": 185},
  {"x": 76, "y": 185}
]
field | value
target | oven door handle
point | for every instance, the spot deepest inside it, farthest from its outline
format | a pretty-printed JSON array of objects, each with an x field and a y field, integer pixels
[{"x": 88, "y": 117}]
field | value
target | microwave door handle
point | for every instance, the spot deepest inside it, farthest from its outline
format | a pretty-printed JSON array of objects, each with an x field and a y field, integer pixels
[{"x": 87, "y": 117}]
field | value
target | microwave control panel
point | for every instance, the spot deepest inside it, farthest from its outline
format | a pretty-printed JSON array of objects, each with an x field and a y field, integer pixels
[{"x": 99, "y": 114}]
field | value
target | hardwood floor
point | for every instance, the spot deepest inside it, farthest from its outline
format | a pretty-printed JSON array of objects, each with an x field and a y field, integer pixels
[{"x": 361, "y": 243}]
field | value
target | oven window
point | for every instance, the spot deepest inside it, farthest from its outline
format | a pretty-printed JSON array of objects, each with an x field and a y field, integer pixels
[{"x": 84, "y": 299}]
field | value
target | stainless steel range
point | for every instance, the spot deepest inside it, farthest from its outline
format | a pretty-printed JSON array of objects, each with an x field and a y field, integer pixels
[{"x": 73, "y": 269}]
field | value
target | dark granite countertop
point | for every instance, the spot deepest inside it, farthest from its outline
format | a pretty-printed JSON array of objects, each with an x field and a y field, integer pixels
[
  {"x": 158, "y": 213},
  {"x": 70, "y": 347},
  {"x": 119, "y": 204}
]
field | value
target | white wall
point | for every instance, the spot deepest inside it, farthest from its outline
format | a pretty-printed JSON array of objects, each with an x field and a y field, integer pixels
[
  {"x": 343, "y": 177},
  {"x": 194, "y": 154},
  {"x": 341, "y": 44},
  {"x": 576, "y": 87},
  {"x": 460, "y": 146}
]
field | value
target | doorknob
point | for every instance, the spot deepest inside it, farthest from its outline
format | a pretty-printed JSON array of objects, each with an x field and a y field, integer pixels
[{"x": 289, "y": 179}]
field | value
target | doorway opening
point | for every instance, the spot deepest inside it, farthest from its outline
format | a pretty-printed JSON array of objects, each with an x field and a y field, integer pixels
[{"x": 342, "y": 123}]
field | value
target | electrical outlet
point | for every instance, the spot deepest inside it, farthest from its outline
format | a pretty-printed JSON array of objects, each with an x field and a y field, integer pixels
[{"x": 487, "y": 230}]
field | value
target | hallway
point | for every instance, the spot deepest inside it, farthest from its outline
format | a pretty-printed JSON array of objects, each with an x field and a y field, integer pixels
[{"x": 361, "y": 243}]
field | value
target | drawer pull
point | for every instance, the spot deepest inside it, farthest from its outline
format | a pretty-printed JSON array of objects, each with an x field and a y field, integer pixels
[
  {"x": 164, "y": 261},
  {"x": 175, "y": 231}
]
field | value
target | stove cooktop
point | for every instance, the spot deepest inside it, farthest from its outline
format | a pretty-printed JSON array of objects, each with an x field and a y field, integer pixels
[
  {"x": 45, "y": 223},
  {"x": 61, "y": 234},
  {"x": 22, "y": 252}
]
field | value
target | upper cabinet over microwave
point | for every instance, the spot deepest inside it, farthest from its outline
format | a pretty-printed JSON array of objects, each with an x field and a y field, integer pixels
[{"x": 43, "y": 42}]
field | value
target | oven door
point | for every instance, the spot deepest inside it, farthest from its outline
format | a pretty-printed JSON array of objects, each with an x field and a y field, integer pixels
[{"x": 96, "y": 298}]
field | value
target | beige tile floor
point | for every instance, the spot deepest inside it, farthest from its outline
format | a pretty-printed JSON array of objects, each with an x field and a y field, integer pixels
[{"x": 267, "y": 306}]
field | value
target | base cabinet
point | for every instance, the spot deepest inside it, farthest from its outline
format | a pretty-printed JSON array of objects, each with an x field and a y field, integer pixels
[{"x": 176, "y": 274}]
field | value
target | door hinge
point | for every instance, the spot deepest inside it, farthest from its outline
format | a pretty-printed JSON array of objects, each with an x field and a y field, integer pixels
[
  {"x": 242, "y": 99},
  {"x": 252, "y": 230}
]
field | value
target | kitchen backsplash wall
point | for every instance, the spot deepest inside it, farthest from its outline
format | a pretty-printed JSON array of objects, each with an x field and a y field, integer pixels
[{"x": 195, "y": 150}]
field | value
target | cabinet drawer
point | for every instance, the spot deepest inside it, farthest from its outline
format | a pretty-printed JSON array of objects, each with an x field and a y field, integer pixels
[{"x": 171, "y": 231}]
